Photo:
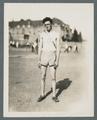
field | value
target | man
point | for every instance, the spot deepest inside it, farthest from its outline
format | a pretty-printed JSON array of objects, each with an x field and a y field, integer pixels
[{"x": 48, "y": 56}]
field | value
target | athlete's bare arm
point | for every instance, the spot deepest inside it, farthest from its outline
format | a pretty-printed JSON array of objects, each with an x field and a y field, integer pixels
[
  {"x": 39, "y": 52},
  {"x": 57, "y": 50}
]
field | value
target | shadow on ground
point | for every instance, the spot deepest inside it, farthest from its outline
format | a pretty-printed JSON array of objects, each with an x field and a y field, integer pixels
[{"x": 61, "y": 86}]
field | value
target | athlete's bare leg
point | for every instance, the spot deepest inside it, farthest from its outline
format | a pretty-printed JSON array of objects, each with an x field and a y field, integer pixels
[
  {"x": 53, "y": 77},
  {"x": 43, "y": 72}
]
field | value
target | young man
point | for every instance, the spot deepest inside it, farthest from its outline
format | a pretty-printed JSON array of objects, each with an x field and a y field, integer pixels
[{"x": 48, "y": 56}]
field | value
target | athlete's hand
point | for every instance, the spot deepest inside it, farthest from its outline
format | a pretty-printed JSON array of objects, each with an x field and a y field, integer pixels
[
  {"x": 56, "y": 65},
  {"x": 39, "y": 64}
]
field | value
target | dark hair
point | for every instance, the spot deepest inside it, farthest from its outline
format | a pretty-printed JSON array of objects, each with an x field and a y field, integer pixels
[{"x": 47, "y": 19}]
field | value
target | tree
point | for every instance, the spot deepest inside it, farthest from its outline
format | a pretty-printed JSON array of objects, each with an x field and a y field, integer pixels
[
  {"x": 75, "y": 36},
  {"x": 80, "y": 37}
]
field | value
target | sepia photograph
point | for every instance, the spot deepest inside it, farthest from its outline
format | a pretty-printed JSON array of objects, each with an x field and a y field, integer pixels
[{"x": 48, "y": 60}]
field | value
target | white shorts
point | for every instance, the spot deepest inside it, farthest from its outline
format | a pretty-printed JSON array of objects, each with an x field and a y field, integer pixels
[{"x": 48, "y": 58}]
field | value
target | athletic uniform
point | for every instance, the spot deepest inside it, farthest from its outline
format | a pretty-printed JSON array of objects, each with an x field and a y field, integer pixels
[{"x": 49, "y": 41}]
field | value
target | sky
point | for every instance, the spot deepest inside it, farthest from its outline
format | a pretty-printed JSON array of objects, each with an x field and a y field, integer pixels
[{"x": 77, "y": 15}]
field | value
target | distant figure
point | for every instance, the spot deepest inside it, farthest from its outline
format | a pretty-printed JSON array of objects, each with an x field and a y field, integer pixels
[
  {"x": 35, "y": 45},
  {"x": 48, "y": 56},
  {"x": 66, "y": 47},
  {"x": 13, "y": 43},
  {"x": 10, "y": 43},
  {"x": 26, "y": 38},
  {"x": 69, "y": 48},
  {"x": 32, "y": 47},
  {"x": 17, "y": 44},
  {"x": 27, "y": 46},
  {"x": 75, "y": 48}
]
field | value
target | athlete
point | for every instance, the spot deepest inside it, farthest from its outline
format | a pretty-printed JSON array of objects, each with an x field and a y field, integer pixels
[{"x": 49, "y": 51}]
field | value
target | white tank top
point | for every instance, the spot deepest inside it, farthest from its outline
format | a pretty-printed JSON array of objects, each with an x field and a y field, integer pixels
[{"x": 49, "y": 40}]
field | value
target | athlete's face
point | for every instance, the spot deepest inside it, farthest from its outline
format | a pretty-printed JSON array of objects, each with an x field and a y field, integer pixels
[{"x": 48, "y": 26}]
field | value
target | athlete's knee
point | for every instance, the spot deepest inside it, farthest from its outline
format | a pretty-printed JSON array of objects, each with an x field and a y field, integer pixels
[{"x": 43, "y": 76}]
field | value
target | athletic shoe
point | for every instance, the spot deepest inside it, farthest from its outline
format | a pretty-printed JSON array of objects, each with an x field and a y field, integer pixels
[
  {"x": 55, "y": 99},
  {"x": 41, "y": 98}
]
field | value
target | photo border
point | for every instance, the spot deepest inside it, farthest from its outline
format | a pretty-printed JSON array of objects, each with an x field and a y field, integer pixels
[{"x": 2, "y": 53}]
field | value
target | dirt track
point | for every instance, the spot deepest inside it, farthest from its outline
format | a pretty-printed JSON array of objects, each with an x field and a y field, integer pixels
[{"x": 24, "y": 84}]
